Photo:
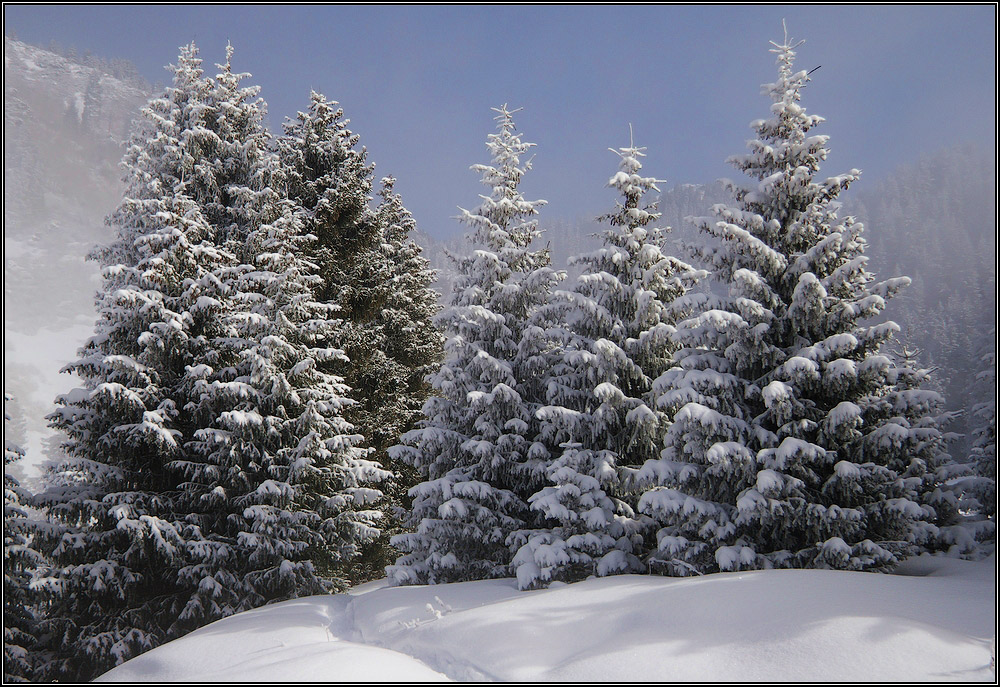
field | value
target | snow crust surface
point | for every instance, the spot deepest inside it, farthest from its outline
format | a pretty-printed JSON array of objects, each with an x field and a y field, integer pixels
[{"x": 932, "y": 620}]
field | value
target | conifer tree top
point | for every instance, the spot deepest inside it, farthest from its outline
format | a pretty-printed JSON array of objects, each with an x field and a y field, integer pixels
[
  {"x": 632, "y": 186},
  {"x": 496, "y": 221}
]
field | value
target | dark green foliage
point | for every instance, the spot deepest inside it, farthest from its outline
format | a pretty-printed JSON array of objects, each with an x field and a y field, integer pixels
[{"x": 371, "y": 272}]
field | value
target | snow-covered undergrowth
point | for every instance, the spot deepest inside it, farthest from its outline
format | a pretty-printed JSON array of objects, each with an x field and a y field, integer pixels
[{"x": 933, "y": 620}]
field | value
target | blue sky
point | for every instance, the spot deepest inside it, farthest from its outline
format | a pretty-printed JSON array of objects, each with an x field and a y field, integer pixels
[{"x": 418, "y": 82}]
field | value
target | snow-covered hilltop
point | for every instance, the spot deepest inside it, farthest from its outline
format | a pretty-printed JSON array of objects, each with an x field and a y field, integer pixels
[
  {"x": 65, "y": 124},
  {"x": 932, "y": 621}
]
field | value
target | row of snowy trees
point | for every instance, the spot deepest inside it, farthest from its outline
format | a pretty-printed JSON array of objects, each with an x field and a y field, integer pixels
[
  {"x": 639, "y": 421},
  {"x": 247, "y": 429},
  {"x": 263, "y": 335}
]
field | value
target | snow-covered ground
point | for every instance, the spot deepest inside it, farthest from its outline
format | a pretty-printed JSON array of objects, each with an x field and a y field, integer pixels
[{"x": 934, "y": 620}]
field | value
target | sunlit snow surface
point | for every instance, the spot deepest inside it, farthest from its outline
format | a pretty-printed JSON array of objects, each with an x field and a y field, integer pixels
[{"x": 934, "y": 621}]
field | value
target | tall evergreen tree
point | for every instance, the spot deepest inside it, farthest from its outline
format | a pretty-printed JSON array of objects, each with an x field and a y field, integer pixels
[
  {"x": 20, "y": 559},
  {"x": 402, "y": 317},
  {"x": 208, "y": 456},
  {"x": 372, "y": 274},
  {"x": 406, "y": 347},
  {"x": 794, "y": 441},
  {"x": 115, "y": 588},
  {"x": 478, "y": 449},
  {"x": 275, "y": 475},
  {"x": 614, "y": 333}
]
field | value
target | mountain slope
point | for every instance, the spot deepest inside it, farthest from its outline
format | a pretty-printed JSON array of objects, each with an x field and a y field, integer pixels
[{"x": 64, "y": 128}]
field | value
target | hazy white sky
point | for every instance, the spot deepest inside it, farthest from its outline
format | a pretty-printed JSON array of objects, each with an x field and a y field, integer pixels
[{"x": 418, "y": 82}]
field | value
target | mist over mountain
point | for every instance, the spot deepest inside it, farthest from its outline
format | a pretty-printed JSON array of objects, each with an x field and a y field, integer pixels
[
  {"x": 66, "y": 121},
  {"x": 65, "y": 124}
]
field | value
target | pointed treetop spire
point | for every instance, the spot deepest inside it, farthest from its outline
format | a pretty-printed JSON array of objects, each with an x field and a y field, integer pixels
[
  {"x": 188, "y": 62},
  {"x": 627, "y": 180},
  {"x": 785, "y": 52},
  {"x": 505, "y": 117},
  {"x": 631, "y": 150},
  {"x": 189, "y": 51}
]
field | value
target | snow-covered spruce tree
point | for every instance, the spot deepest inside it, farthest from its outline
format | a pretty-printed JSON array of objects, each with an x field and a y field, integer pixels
[
  {"x": 19, "y": 560},
  {"x": 390, "y": 377},
  {"x": 403, "y": 317},
  {"x": 953, "y": 519},
  {"x": 205, "y": 454},
  {"x": 275, "y": 479},
  {"x": 277, "y": 484},
  {"x": 613, "y": 331},
  {"x": 478, "y": 449},
  {"x": 373, "y": 275},
  {"x": 118, "y": 543},
  {"x": 794, "y": 442}
]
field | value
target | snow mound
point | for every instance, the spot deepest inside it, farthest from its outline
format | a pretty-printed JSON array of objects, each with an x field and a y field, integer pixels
[
  {"x": 933, "y": 621},
  {"x": 303, "y": 640}
]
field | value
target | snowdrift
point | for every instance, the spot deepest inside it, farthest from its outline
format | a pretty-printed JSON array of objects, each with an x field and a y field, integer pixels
[{"x": 934, "y": 620}]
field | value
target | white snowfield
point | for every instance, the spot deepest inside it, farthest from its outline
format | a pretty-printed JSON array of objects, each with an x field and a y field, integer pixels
[{"x": 932, "y": 621}]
